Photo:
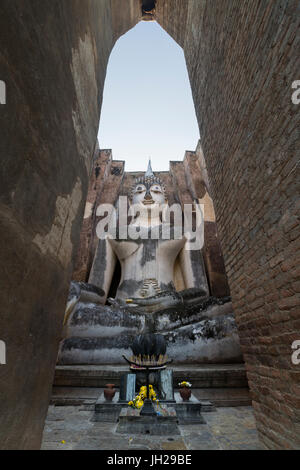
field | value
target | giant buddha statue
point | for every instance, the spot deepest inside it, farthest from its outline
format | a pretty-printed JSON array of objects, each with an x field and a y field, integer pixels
[
  {"x": 162, "y": 287},
  {"x": 155, "y": 255}
]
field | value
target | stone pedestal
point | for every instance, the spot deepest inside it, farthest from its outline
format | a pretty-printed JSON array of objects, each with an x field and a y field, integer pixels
[
  {"x": 189, "y": 412},
  {"x": 131, "y": 422},
  {"x": 107, "y": 411},
  {"x": 166, "y": 386},
  {"x": 127, "y": 388}
]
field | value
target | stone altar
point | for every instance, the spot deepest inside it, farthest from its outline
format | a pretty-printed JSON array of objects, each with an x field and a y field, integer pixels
[{"x": 160, "y": 415}]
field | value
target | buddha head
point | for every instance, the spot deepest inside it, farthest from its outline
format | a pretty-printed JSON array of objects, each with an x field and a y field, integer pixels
[{"x": 148, "y": 190}]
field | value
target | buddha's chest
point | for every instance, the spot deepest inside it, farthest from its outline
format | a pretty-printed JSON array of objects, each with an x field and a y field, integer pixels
[{"x": 149, "y": 250}]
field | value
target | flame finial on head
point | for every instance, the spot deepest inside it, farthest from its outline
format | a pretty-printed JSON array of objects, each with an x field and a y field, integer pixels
[{"x": 149, "y": 172}]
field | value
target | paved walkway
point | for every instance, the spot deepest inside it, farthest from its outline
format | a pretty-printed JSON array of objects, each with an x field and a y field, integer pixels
[{"x": 71, "y": 427}]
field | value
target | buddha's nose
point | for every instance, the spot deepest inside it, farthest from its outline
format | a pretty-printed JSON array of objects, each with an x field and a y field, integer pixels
[{"x": 148, "y": 195}]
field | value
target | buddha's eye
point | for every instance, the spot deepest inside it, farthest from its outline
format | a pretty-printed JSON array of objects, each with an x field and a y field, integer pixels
[{"x": 140, "y": 189}]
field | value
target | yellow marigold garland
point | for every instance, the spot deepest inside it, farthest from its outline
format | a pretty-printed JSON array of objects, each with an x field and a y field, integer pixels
[{"x": 138, "y": 401}]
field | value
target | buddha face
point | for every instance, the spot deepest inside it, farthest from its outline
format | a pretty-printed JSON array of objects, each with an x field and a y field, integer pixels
[{"x": 148, "y": 194}]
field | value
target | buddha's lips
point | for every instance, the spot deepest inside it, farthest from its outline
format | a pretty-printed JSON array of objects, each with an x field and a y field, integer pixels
[{"x": 148, "y": 202}]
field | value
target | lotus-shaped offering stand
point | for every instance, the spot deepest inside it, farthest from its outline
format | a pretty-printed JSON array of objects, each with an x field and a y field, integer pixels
[{"x": 149, "y": 354}]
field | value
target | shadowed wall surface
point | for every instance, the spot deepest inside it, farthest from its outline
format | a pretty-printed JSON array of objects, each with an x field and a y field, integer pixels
[{"x": 241, "y": 59}]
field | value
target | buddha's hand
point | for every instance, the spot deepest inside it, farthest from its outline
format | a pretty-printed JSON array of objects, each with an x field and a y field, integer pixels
[
  {"x": 169, "y": 300},
  {"x": 162, "y": 301}
]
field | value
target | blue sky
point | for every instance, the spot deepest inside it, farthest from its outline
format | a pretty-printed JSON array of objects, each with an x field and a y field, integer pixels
[{"x": 147, "y": 109}]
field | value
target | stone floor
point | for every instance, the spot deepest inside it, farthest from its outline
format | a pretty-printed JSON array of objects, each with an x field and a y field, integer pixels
[{"x": 71, "y": 427}]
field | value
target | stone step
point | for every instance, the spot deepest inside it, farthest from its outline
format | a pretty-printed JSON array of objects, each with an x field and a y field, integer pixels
[
  {"x": 77, "y": 396},
  {"x": 225, "y": 396},
  {"x": 201, "y": 376}
]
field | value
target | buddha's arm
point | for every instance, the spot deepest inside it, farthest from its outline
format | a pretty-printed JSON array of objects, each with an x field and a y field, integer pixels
[
  {"x": 185, "y": 263},
  {"x": 103, "y": 267},
  {"x": 193, "y": 269}
]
